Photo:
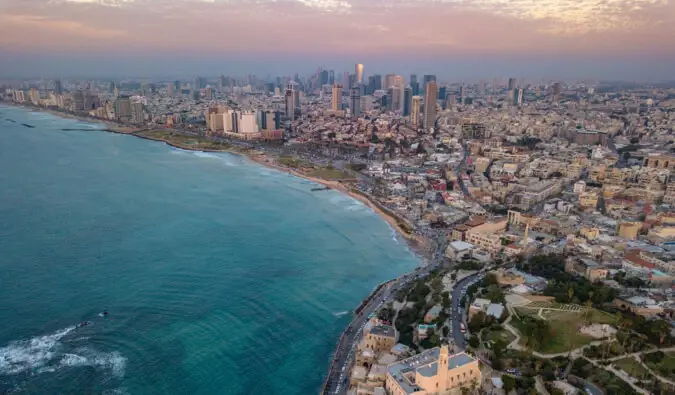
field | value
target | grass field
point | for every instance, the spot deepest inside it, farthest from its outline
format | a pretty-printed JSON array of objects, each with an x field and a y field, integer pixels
[
  {"x": 632, "y": 367},
  {"x": 666, "y": 367},
  {"x": 291, "y": 162},
  {"x": 329, "y": 174},
  {"x": 501, "y": 334},
  {"x": 184, "y": 141},
  {"x": 564, "y": 326}
]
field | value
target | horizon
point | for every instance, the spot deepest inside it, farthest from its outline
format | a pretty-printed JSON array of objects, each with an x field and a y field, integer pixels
[{"x": 463, "y": 40}]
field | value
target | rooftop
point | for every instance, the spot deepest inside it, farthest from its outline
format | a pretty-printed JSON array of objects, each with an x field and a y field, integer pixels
[{"x": 383, "y": 330}]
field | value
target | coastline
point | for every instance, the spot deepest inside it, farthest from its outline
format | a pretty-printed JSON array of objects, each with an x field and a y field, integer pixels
[{"x": 414, "y": 241}]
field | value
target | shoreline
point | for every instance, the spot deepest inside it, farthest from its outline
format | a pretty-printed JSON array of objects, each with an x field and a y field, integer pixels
[{"x": 414, "y": 241}]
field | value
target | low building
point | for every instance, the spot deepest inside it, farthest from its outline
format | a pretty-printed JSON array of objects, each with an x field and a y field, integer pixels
[
  {"x": 433, "y": 371},
  {"x": 646, "y": 307},
  {"x": 487, "y": 236},
  {"x": 586, "y": 268},
  {"x": 478, "y": 305},
  {"x": 458, "y": 250},
  {"x": 379, "y": 338}
]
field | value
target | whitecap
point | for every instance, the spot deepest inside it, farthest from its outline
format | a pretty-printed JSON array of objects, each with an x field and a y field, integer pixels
[
  {"x": 340, "y": 313},
  {"x": 22, "y": 355}
]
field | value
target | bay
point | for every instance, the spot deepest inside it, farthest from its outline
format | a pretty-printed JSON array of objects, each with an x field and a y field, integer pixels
[{"x": 220, "y": 276}]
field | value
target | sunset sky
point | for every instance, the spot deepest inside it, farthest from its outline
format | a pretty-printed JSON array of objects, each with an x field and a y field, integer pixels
[{"x": 467, "y": 38}]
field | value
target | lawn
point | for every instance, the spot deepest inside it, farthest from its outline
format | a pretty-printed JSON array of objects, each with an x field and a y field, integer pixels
[
  {"x": 564, "y": 327},
  {"x": 665, "y": 367},
  {"x": 185, "y": 141},
  {"x": 291, "y": 162},
  {"x": 328, "y": 173},
  {"x": 500, "y": 334},
  {"x": 632, "y": 367}
]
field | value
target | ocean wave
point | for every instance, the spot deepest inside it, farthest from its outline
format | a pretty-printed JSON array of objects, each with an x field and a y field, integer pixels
[
  {"x": 340, "y": 313},
  {"x": 225, "y": 159},
  {"x": 44, "y": 354},
  {"x": 19, "y": 356}
]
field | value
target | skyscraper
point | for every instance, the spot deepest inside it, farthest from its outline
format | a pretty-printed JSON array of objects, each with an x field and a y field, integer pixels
[
  {"x": 169, "y": 90},
  {"x": 336, "y": 98},
  {"x": 388, "y": 81},
  {"x": 519, "y": 97},
  {"x": 331, "y": 77},
  {"x": 208, "y": 93},
  {"x": 290, "y": 97},
  {"x": 374, "y": 83},
  {"x": 512, "y": 84},
  {"x": 122, "y": 109},
  {"x": 58, "y": 88},
  {"x": 414, "y": 84},
  {"x": 355, "y": 101},
  {"x": 407, "y": 101},
  {"x": 430, "y": 97},
  {"x": 462, "y": 94},
  {"x": 415, "y": 110},
  {"x": 426, "y": 79},
  {"x": 359, "y": 73},
  {"x": 200, "y": 82},
  {"x": 442, "y": 93},
  {"x": 137, "y": 113}
]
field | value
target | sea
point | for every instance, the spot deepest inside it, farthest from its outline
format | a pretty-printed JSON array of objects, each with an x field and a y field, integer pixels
[{"x": 219, "y": 276}]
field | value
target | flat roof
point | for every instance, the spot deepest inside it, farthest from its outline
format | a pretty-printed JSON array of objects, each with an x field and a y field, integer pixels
[
  {"x": 383, "y": 330},
  {"x": 426, "y": 364},
  {"x": 461, "y": 245}
]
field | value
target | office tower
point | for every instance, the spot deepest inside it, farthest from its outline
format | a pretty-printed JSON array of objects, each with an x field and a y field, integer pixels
[
  {"x": 78, "y": 100},
  {"x": 430, "y": 97},
  {"x": 169, "y": 90},
  {"x": 450, "y": 101},
  {"x": 323, "y": 77},
  {"x": 58, "y": 88},
  {"x": 519, "y": 97},
  {"x": 512, "y": 84},
  {"x": 345, "y": 79},
  {"x": 331, "y": 77},
  {"x": 176, "y": 85},
  {"x": 137, "y": 113},
  {"x": 481, "y": 88},
  {"x": 200, "y": 82},
  {"x": 122, "y": 109},
  {"x": 91, "y": 101},
  {"x": 355, "y": 102},
  {"x": 374, "y": 83},
  {"x": 359, "y": 73},
  {"x": 336, "y": 98},
  {"x": 441, "y": 92},
  {"x": 388, "y": 81},
  {"x": 289, "y": 101},
  {"x": 462, "y": 94},
  {"x": 395, "y": 98},
  {"x": 426, "y": 79},
  {"x": 407, "y": 101},
  {"x": 415, "y": 110},
  {"x": 414, "y": 84},
  {"x": 208, "y": 93}
]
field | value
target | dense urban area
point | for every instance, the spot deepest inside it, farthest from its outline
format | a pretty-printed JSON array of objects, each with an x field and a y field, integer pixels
[{"x": 542, "y": 210}]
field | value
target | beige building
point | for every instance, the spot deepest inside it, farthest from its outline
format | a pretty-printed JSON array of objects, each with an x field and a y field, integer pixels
[
  {"x": 586, "y": 268},
  {"x": 628, "y": 229},
  {"x": 487, "y": 236},
  {"x": 379, "y": 339},
  {"x": 659, "y": 162},
  {"x": 433, "y": 371},
  {"x": 588, "y": 199}
]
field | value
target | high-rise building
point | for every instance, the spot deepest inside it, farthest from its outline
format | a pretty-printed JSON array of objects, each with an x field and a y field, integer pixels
[
  {"x": 336, "y": 98},
  {"x": 358, "y": 68},
  {"x": 388, "y": 81},
  {"x": 170, "y": 90},
  {"x": 512, "y": 84},
  {"x": 414, "y": 84},
  {"x": 519, "y": 97},
  {"x": 200, "y": 83},
  {"x": 208, "y": 93},
  {"x": 462, "y": 94},
  {"x": 407, "y": 101},
  {"x": 415, "y": 110},
  {"x": 323, "y": 77},
  {"x": 58, "y": 88},
  {"x": 374, "y": 83},
  {"x": 122, "y": 109},
  {"x": 331, "y": 77},
  {"x": 176, "y": 85},
  {"x": 430, "y": 97},
  {"x": 137, "y": 113},
  {"x": 78, "y": 100},
  {"x": 442, "y": 93},
  {"x": 345, "y": 79},
  {"x": 248, "y": 124},
  {"x": 481, "y": 88},
  {"x": 355, "y": 102},
  {"x": 426, "y": 79},
  {"x": 289, "y": 101}
]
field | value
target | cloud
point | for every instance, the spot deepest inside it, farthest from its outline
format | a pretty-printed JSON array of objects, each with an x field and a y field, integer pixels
[{"x": 416, "y": 27}]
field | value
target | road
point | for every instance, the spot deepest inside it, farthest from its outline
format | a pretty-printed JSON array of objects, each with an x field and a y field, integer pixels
[
  {"x": 457, "y": 293},
  {"x": 338, "y": 373}
]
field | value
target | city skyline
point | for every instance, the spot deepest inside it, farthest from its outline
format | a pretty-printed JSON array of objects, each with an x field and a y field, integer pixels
[{"x": 593, "y": 38}]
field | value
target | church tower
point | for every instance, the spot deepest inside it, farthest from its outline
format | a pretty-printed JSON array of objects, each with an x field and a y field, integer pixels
[{"x": 443, "y": 368}]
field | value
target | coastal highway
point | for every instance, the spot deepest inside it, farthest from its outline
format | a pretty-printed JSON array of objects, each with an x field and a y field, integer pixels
[{"x": 338, "y": 373}]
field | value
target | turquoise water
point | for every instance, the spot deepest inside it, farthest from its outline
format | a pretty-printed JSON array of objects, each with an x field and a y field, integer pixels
[{"x": 221, "y": 276}]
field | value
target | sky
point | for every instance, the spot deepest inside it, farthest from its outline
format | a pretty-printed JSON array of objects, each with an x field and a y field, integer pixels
[{"x": 455, "y": 39}]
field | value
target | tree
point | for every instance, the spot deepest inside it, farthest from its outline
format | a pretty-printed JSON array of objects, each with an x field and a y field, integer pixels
[
  {"x": 477, "y": 322},
  {"x": 474, "y": 341},
  {"x": 509, "y": 383}
]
